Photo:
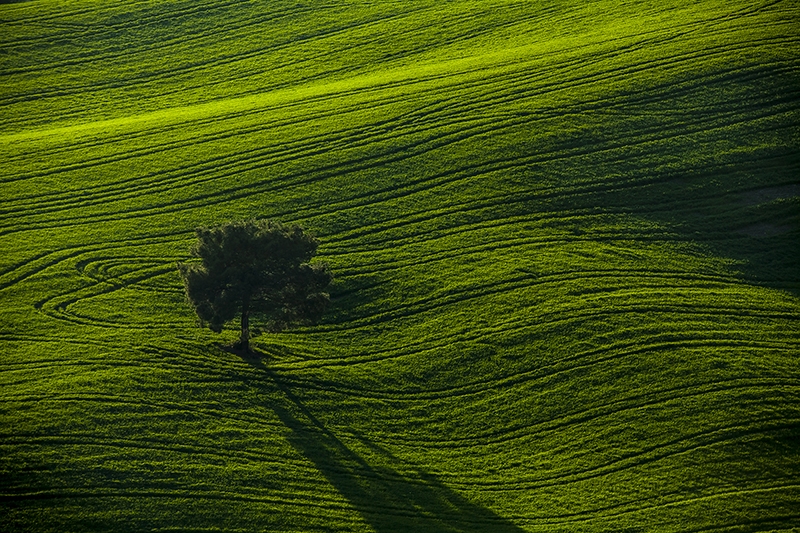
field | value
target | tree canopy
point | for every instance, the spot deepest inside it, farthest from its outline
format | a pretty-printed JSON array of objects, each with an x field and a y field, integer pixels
[{"x": 255, "y": 268}]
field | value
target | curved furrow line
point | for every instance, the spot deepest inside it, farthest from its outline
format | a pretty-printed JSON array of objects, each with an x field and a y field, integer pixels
[
  {"x": 306, "y": 147},
  {"x": 58, "y": 307},
  {"x": 231, "y": 132},
  {"x": 646, "y": 234},
  {"x": 204, "y": 368},
  {"x": 499, "y": 244},
  {"x": 764, "y": 387},
  {"x": 436, "y": 180},
  {"x": 148, "y": 445},
  {"x": 632, "y": 69},
  {"x": 198, "y": 66},
  {"x": 701, "y": 439},
  {"x": 361, "y": 470},
  {"x": 582, "y": 361},
  {"x": 278, "y": 458},
  {"x": 142, "y": 18},
  {"x": 432, "y": 343},
  {"x": 516, "y": 325},
  {"x": 97, "y": 268},
  {"x": 592, "y": 515},
  {"x": 207, "y": 372},
  {"x": 51, "y": 338},
  {"x": 512, "y": 326},
  {"x": 376, "y": 264},
  {"x": 91, "y": 162},
  {"x": 631, "y": 104},
  {"x": 663, "y": 279},
  {"x": 164, "y": 47},
  {"x": 177, "y": 178},
  {"x": 424, "y": 215},
  {"x": 59, "y": 16},
  {"x": 241, "y": 191},
  {"x": 198, "y": 362},
  {"x": 140, "y": 275},
  {"x": 414, "y": 119},
  {"x": 246, "y": 190},
  {"x": 587, "y": 188},
  {"x": 337, "y": 95},
  {"x": 596, "y": 57},
  {"x": 122, "y": 185},
  {"x": 720, "y": 25},
  {"x": 342, "y": 243},
  {"x": 775, "y": 523},
  {"x": 159, "y": 288},
  {"x": 685, "y": 444},
  {"x": 307, "y": 504},
  {"x": 265, "y": 496},
  {"x": 344, "y": 248},
  {"x": 188, "y": 409},
  {"x": 257, "y": 158},
  {"x": 456, "y": 297},
  {"x": 23, "y": 270},
  {"x": 524, "y": 79},
  {"x": 561, "y": 82}
]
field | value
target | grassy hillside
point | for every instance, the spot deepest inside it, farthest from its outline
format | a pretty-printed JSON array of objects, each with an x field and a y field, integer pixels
[{"x": 565, "y": 240}]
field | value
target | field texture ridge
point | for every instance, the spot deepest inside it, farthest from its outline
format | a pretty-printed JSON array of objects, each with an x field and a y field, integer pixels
[{"x": 565, "y": 245}]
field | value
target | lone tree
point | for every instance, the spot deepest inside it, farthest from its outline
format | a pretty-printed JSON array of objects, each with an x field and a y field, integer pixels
[{"x": 255, "y": 268}]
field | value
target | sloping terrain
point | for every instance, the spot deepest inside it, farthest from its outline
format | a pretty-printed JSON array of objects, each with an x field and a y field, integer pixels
[{"x": 565, "y": 240}]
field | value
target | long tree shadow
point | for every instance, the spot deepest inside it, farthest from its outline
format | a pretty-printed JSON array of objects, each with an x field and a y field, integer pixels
[{"x": 386, "y": 499}]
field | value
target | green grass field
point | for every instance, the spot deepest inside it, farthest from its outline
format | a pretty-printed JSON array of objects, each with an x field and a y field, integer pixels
[{"x": 566, "y": 241}]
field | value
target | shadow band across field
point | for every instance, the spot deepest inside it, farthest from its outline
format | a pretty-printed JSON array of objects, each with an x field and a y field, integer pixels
[{"x": 386, "y": 499}]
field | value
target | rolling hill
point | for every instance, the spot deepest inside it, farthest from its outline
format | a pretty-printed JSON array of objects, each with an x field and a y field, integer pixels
[{"x": 565, "y": 241}]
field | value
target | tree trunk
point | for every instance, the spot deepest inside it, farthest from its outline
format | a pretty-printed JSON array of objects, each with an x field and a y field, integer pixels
[{"x": 244, "y": 340}]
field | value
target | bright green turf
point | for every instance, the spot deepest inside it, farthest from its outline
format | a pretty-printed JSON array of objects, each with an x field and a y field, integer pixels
[{"x": 565, "y": 236}]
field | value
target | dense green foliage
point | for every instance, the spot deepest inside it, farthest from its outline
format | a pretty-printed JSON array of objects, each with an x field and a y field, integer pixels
[
  {"x": 256, "y": 268},
  {"x": 565, "y": 244}
]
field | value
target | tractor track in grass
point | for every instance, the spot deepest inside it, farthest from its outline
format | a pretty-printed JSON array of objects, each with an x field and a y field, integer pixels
[
  {"x": 662, "y": 451},
  {"x": 600, "y": 514},
  {"x": 684, "y": 445},
  {"x": 499, "y": 385},
  {"x": 141, "y": 19},
  {"x": 202, "y": 65},
  {"x": 30, "y": 266},
  {"x": 420, "y": 348},
  {"x": 182, "y": 176},
  {"x": 513, "y": 22},
  {"x": 542, "y": 316},
  {"x": 162, "y": 46},
  {"x": 195, "y": 493},
  {"x": 509, "y": 328},
  {"x": 117, "y": 189},
  {"x": 58, "y": 306},
  {"x": 527, "y": 282},
  {"x": 676, "y": 398},
  {"x": 188, "y": 410},
  {"x": 717, "y": 51},
  {"x": 648, "y": 62},
  {"x": 230, "y": 194}
]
